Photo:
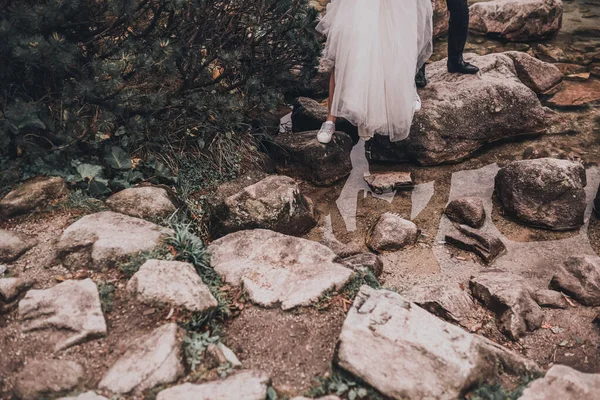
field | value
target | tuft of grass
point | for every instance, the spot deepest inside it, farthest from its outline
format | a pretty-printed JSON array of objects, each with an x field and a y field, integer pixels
[
  {"x": 134, "y": 263},
  {"x": 351, "y": 288},
  {"x": 106, "y": 291},
  {"x": 343, "y": 385},
  {"x": 188, "y": 247},
  {"x": 79, "y": 200}
]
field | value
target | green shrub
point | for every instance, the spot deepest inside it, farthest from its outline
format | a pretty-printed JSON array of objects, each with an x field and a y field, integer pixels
[{"x": 100, "y": 80}]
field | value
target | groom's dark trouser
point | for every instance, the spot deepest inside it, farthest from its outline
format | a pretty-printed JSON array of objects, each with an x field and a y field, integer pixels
[{"x": 459, "y": 29}]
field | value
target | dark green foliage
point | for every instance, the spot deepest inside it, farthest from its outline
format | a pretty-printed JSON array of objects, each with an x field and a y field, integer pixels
[
  {"x": 136, "y": 261},
  {"x": 106, "y": 291},
  {"x": 100, "y": 80},
  {"x": 195, "y": 345},
  {"x": 343, "y": 385},
  {"x": 498, "y": 392}
]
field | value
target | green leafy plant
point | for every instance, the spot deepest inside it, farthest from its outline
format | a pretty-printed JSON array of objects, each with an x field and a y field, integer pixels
[
  {"x": 195, "y": 345},
  {"x": 343, "y": 385},
  {"x": 106, "y": 291},
  {"x": 134, "y": 263}
]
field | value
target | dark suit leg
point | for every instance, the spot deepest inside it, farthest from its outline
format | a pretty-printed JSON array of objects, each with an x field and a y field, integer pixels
[{"x": 459, "y": 29}]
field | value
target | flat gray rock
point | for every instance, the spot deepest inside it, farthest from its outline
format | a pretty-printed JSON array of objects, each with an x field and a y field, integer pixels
[
  {"x": 511, "y": 298},
  {"x": 579, "y": 277},
  {"x": 392, "y": 233},
  {"x": 35, "y": 193},
  {"x": 276, "y": 203},
  {"x": 85, "y": 396},
  {"x": 277, "y": 269},
  {"x": 172, "y": 282},
  {"x": 546, "y": 192},
  {"x": 407, "y": 353},
  {"x": 517, "y": 20},
  {"x": 364, "y": 262},
  {"x": 146, "y": 202},
  {"x": 103, "y": 239},
  {"x": 487, "y": 246},
  {"x": 550, "y": 299},
  {"x": 466, "y": 211},
  {"x": 13, "y": 245},
  {"x": 387, "y": 182},
  {"x": 247, "y": 385},
  {"x": 539, "y": 76},
  {"x": 151, "y": 360},
  {"x": 563, "y": 383},
  {"x": 71, "y": 308},
  {"x": 11, "y": 288},
  {"x": 447, "y": 302},
  {"x": 46, "y": 378}
]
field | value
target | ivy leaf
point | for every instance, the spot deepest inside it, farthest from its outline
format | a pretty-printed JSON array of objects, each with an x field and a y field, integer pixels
[
  {"x": 161, "y": 170},
  {"x": 118, "y": 159},
  {"x": 98, "y": 187},
  {"x": 88, "y": 172}
]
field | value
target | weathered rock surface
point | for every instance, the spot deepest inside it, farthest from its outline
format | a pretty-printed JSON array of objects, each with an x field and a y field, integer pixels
[
  {"x": 511, "y": 299},
  {"x": 302, "y": 155},
  {"x": 220, "y": 354},
  {"x": 14, "y": 244},
  {"x": 391, "y": 233},
  {"x": 309, "y": 115},
  {"x": 146, "y": 202},
  {"x": 441, "y": 18},
  {"x": 546, "y": 192},
  {"x": 172, "y": 282},
  {"x": 462, "y": 113},
  {"x": 85, "y": 396},
  {"x": 538, "y": 75},
  {"x": 447, "y": 302},
  {"x": 278, "y": 269},
  {"x": 466, "y": 211},
  {"x": 485, "y": 245},
  {"x": 579, "y": 277},
  {"x": 406, "y": 353},
  {"x": 102, "y": 239},
  {"x": 563, "y": 383},
  {"x": 550, "y": 299},
  {"x": 576, "y": 94},
  {"x": 150, "y": 360},
  {"x": 517, "y": 20},
  {"x": 388, "y": 182},
  {"x": 71, "y": 306},
  {"x": 42, "y": 378},
  {"x": 275, "y": 203},
  {"x": 10, "y": 290},
  {"x": 364, "y": 262},
  {"x": 247, "y": 385},
  {"x": 38, "y": 192}
]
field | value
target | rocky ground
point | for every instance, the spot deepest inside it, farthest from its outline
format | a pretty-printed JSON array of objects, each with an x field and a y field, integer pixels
[{"x": 461, "y": 263}]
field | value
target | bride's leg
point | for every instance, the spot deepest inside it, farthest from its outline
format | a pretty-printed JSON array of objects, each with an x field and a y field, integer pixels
[
  {"x": 330, "y": 117},
  {"x": 328, "y": 128}
]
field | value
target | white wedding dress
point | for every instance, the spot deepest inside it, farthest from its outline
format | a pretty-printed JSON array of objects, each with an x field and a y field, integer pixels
[{"x": 377, "y": 46}]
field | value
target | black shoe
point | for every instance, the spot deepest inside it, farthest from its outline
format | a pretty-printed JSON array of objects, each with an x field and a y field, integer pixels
[
  {"x": 462, "y": 67},
  {"x": 421, "y": 79}
]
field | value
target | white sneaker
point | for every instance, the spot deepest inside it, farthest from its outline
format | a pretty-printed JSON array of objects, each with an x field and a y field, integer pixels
[
  {"x": 326, "y": 132},
  {"x": 418, "y": 104}
]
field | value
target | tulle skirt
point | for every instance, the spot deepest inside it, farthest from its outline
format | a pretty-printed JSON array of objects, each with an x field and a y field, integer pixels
[{"x": 377, "y": 46}]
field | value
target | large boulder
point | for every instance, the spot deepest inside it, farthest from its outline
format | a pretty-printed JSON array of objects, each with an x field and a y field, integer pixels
[
  {"x": 172, "y": 282},
  {"x": 71, "y": 311},
  {"x": 406, "y": 353},
  {"x": 277, "y": 269},
  {"x": 462, "y": 113},
  {"x": 247, "y": 385},
  {"x": 511, "y": 299},
  {"x": 579, "y": 277},
  {"x": 545, "y": 192},
  {"x": 275, "y": 203},
  {"x": 14, "y": 244},
  {"x": 517, "y": 20},
  {"x": 33, "y": 194},
  {"x": 151, "y": 360},
  {"x": 447, "y": 302},
  {"x": 147, "y": 202},
  {"x": 563, "y": 383},
  {"x": 47, "y": 378},
  {"x": 301, "y": 154},
  {"x": 103, "y": 239},
  {"x": 391, "y": 232}
]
